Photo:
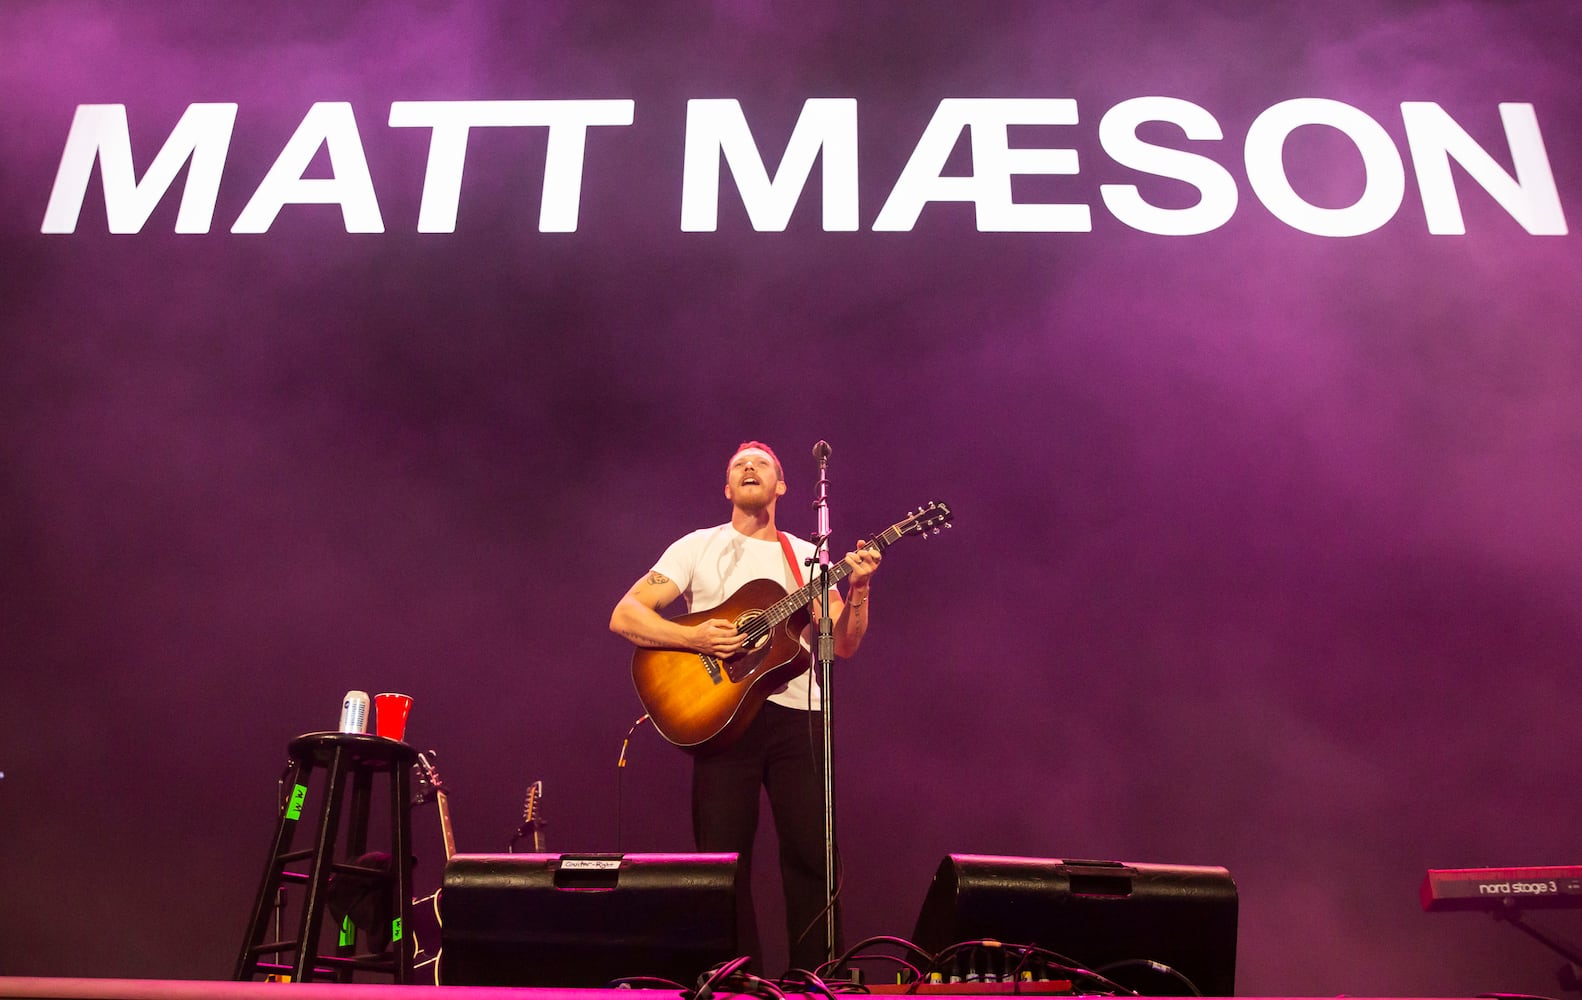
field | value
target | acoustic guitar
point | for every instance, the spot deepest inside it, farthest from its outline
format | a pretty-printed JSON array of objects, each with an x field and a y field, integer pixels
[
  {"x": 702, "y": 703},
  {"x": 425, "y": 919}
]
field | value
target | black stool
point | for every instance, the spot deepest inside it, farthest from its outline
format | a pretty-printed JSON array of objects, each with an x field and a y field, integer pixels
[{"x": 380, "y": 893}]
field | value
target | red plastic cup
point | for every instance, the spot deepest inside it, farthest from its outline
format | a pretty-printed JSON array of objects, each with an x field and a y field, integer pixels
[{"x": 390, "y": 712}]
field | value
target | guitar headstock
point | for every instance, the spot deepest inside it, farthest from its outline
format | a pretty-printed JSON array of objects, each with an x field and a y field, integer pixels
[
  {"x": 926, "y": 520},
  {"x": 532, "y": 812},
  {"x": 427, "y": 773},
  {"x": 532, "y": 819}
]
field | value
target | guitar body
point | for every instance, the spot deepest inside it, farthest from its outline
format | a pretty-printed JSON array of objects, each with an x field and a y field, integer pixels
[{"x": 702, "y": 703}]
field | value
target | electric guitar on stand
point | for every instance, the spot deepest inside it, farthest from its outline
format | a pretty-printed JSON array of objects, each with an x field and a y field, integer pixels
[{"x": 701, "y": 702}]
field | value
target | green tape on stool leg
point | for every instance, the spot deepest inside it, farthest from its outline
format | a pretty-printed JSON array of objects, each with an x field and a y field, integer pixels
[
  {"x": 395, "y": 929},
  {"x": 299, "y": 795},
  {"x": 348, "y": 935}
]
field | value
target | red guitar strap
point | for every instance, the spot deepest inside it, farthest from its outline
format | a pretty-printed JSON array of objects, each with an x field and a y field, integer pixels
[{"x": 796, "y": 570}]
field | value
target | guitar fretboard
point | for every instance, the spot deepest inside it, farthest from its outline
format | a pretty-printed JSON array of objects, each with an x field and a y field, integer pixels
[{"x": 793, "y": 602}]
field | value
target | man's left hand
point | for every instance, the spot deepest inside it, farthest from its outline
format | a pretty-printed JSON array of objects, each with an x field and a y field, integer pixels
[{"x": 863, "y": 562}]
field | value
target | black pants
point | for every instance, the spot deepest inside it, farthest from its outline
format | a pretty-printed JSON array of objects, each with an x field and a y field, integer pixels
[{"x": 782, "y": 751}]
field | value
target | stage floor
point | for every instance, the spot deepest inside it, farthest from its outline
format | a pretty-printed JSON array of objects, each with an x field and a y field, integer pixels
[{"x": 188, "y": 989}]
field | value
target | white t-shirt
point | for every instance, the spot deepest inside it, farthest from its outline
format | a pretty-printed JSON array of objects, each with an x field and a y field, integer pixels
[{"x": 711, "y": 564}]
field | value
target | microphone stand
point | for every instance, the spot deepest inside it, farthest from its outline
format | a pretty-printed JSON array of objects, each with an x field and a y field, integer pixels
[{"x": 824, "y": 656}]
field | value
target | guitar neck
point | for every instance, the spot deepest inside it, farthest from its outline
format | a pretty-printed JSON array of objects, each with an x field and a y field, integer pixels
[
  {"x": 795, "y": 601},
  {"x": 442, "y": 800}
]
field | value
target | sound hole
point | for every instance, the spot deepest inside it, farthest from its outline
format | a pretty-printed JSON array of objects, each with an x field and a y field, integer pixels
[{"x": 744, "y": 625}]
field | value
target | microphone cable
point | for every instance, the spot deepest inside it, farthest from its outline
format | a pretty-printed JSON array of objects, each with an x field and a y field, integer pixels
[{"x": 620, "y": 769}]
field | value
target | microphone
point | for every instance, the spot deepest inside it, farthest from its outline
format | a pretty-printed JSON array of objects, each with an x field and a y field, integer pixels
[{"x": 821, "y": 452}]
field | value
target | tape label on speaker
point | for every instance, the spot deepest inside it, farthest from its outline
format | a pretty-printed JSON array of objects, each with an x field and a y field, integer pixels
[{"x": 590, "y": 864}]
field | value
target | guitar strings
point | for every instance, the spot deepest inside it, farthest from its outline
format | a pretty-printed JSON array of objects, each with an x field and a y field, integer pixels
[
  {"x": 761, "y": 625},
  {"x": 782, "y": 609}
]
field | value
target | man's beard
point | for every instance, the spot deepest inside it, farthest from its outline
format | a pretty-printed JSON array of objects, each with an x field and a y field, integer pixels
[{"x": 753, "y": 505}]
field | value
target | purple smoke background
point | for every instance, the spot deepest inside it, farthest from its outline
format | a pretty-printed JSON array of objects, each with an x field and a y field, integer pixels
[{"x": 1266, "y": 551}]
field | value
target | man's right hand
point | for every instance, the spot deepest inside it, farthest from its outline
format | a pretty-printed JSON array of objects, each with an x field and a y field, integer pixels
[{"x": 717, "y": 637}]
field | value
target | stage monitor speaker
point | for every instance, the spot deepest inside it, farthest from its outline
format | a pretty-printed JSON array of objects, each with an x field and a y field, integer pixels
[
  {"x": 585, "y": 919},
  {"x": 1103, "y": 915}
]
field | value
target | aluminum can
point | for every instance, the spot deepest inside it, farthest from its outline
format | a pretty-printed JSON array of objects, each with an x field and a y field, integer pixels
[{"x": 354, "y": 712}]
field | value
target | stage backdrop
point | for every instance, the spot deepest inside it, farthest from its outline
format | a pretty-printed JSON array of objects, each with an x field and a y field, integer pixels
[{"x": 384, "y": 345}]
